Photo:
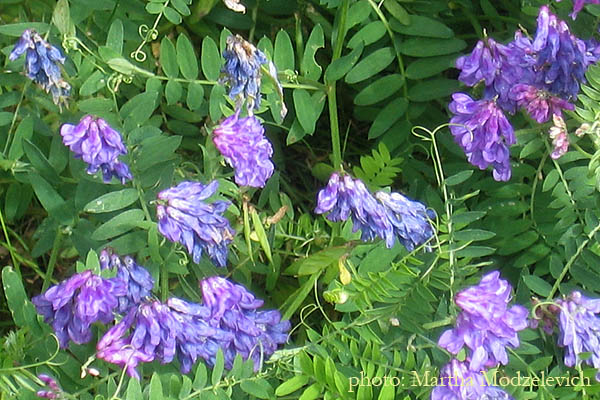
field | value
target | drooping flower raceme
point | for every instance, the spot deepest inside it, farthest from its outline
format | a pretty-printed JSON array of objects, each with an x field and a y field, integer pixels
[
  {"x": 234, "y": 309},
  {"x": 74, "y": 304},
  {"x": 409, "y": 219},
  {"x": 482, "y": 130},
  {"x": 559, "y": 135},
  {"x": 54, "y": 392},
  {"x": 344, "y": 198},
  {"x": 486, "y": 325},
  {"x": 243, "y": 143},
  {"x": 457, "y": 382},
  {"x": 99, "y": 145},
  {"x": 579, "y": 328},
  {"x": 540, "y": 104},
  {"x": 185, "y": 217},
  {"x": 42, "y": 64}
]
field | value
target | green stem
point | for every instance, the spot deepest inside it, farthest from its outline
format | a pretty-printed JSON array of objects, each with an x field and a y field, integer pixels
[
  {"x": 10, "y": 247},
  {"x": 164, "y": 283},
  {"x": 53, "y": 258},
  {"x": 14, "y": 119}
]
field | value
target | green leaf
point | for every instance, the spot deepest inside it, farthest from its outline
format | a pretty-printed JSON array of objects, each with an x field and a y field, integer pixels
[
  {"x": 379, "y": 90},
  {"x": 541, "y": 363},
  {"x": 388, "y": 116},
  {"x": 61, "y": 18},
  {"x": 475, "y": 251},
  {"x": 24, "y": 132},
  {"x": 312, "y": 392},
  {"x": 156, "y": 149},
  {"x": 309, "y": 67},
  {"x": 92, "y": 84},
  {"x": 112, "y": 201},
  {"x": 258, "y": 388},
  {"x": 186, "y": 58},
  {"x": 134, "y": 390},
  {"x": 367, "y": 35},
  {"x": 119, "y": 224},
  {"x": 430, "y": 66},
  {"x": 317, "y": 261},
  {"x": 168, "y": 58},
  {"x": 463, "y": 219},
  {"x": 531, "y": 147},
  {"x": 48, "y": 197},
  {"x": 397, "y": 11},
  {"x": 308, "y": 108},
  {"x": 21, "y": 309},
  {"x": 473, "y": 235},
  {"x": 16, "y": 30},
  {"x": 297, "y": 298},
  {"x": 139, "y": 109},
  {"x": 211, "y": 59},
  {"x": 283, "y": 56},
  {"x": 433, "y": 89},
  {"x": 537, "y": 285},
  {"x": 429, "y": 47},
  {"x": 340, "y": 67},
  {"x": 156, "y": 389},
  {"x": 114, "y": 39},
  {"x": 423, "y": 26},
  {"x": 95, "y": 105},
  {"x": 262, "y": 236},
  {"x": 40, "y": 162},
  {"x": 291, "y": 385},
  {"x": 388, "y": 392},
  {"x": 218, "y": 368},
  {"x": 216, "y": 101},
  {"x": 181, "y": 7},
  {"x": 551, "y": 180},
  {"x": 459, "y": 178},
  {"x": 371, "y": 65},
  {"x": 173, "y": 92},
  {"x": 195, "y": 96},
  {"x": 172, "y": 15}
]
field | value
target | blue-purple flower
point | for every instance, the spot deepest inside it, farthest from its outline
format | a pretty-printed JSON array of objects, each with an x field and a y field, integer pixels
[
  {"x": 99, "y": 145},
  {"x": 137, "y": 279},
  {"x": 76, "y": 303},
  {"x": 540, "y": 104},
  {"x": 559, "y": 135},
  {"x": 486, "y": 325},
  {"x": 409, "y": 219},
  {"x": 54, "y": 392},
  {"x": 234, "y": 309},
  {"x": 243, "y": 143},
  {"x": 482, "y": 130},
  {"x": 458, "y": 382},
  {"x": 579, "y": 328},
  {"x": 42, "y": 64},
  {"x": 344, "y": 198},
  {"x": 242, "y": 71},
  {"x": 484, "y": 63},
  {"x": 185, "y": 217}
]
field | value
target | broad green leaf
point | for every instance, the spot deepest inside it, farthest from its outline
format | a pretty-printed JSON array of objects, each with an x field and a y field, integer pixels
[
  {"x": 172, "y": 15},
  {"x": 308, "y": 108},
  {"x": 293, "y": 302},
  {"x": 422, "y": 26},
  {"x": 200, "y": 377},
  {"x": 388, "y": 392},
  {"x": 125, "y": 67},
  {"x": 24, "y": 132},
  {"x": 262, "y": 235},
  {"x": 40, "y": 162},
  {"x": 139, "y": 109},
  {"x": 181, "y": 7},
  {"x": 430, "y": 66},
  {"x": 46, "y": 194},
  {"x": 112, "y": 201},
  {"x": 379, "y": 90},
  {"x": 156, "y": 388},
  {"x": 219, "y": 367},
  {"x": 119, "y": 224},
  {"x": 195, "y": 96},
  {"x": 371, "y": 65},
  {"x": 537, "y": 285},
  {"x": 16, "y": 30},
  {"x": 340, "y": 67},
  {"x": 309, "y": 67},
  {"x": 216, "y": 100},
  {"x": 367, "y": 35},
  {"x": 134, "y": 390},
  {"x": 317, "y": 261},
  {"x": 259, "y": 388},
  {"x": 168, "y": 58},
  {"x": 21, "y": 309},
  {"x": 114, "y": 39},
  {"x": 283, "y": 56},
  {"x": 475, "y": 251},
  {"x": 312, "y": 392},
  {"x": 186, "y": 58},
  {"x": 531, "y": 148},
  {"x": 95, "y": 82},
  {"x": 291, "y": 385},
  {"x": 459, "y": 178},
  {"x": 95, "y": 105},
  {"x": 463, "y": 219},
  {"x": 433, "y": 89},
  {"x": 173, "y": 92},
  {"x": 398, "y": 11},
  {"x": 155, "y": 150},
  {"x": 473, "y": 235},
  {"x": 386, "y": 118},
  {"x": 429, "y": 47},
  {"x": 541, "y": 363},
  {"x": 61, "y": 18},
  {"x": 357, "y": 13},
  {"x": 210, "y": 59}
]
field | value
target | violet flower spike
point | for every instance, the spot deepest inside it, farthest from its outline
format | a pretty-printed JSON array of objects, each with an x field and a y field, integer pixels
[
  {"x": 54, "y": 392},
  {"x": 42, "y": 65},
  {"x": 99, "y": 145},
  {"x": 243, "y": 143},
  {"x": 76, "y": 303},
  {"x": 539, "y": 103},
  {"x": 185, "y": 217},
  {"x": 486, "y": 325},
  {"x": 559, "y": 135},
  {"x": 483, "y": 131}
]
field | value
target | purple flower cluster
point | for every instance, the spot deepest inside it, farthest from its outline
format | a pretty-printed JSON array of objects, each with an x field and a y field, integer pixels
[
  {"x": 579, "y": 328},
  {"x": 243, "y": 143},
  {"x": 185, "y": 217},
  {"x": 76, "y": 303},
  {"x": 388, "y": 216},
  {"x": 42, "y": 64},
  {"x": 486, "y": 325},
  {"x": 228, "y": 320},
  {"x": 54, "y": 391},
  {"x": 458, "y": 382},
  {"x": 541, "y": 76},
  {"x": 99, "y": 145},
  {"x": 242, "y": 71}
]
